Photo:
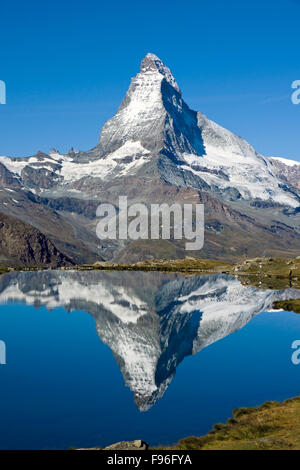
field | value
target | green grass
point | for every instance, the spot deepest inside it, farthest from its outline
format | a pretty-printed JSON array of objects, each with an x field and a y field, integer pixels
[
  {"x": 271, "y": 426},
  {"x": 274, "y": 273},
  {"x": 280, "y": 267},
  {"x": 289, "y": 305},
  {"x": 166, "y": 265},
  {"x": 3, "y": 270}
]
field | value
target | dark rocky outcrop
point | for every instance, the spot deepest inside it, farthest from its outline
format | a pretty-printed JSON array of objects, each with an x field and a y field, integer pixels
[
  {"x": 128, "y": 445},
  {"x": 23, "y": 245}
]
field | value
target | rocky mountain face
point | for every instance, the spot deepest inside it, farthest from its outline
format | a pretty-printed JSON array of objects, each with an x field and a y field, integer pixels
[
  {"x": 287, "y": 170},
  {"x": 23, "y": 245},
  {"x": 156, "y": 149},
  {"x": 150, "y": 321}
]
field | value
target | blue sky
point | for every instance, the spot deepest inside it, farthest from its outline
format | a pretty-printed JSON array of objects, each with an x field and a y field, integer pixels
[{"x": 67, "y": 65}]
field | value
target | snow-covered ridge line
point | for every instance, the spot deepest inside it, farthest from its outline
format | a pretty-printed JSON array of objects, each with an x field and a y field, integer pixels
[
  {"x": 72, "y": 170},
  {"x": 285, "y": 161}
]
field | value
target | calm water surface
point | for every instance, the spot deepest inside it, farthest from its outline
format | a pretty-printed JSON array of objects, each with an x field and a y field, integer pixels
[{"x": 96, "y": 357}]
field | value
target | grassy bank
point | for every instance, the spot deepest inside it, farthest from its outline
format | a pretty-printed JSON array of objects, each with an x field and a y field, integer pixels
[
  {"x": 271, "y": 426},
  {"x": 263, "y": 273},
  {"x": 4, "y": 270},
  {"x": 289, "y": 305},
  {"x": 280, "y": 267},
  {"x": 262, "y": 268},
  {"x": 179, "y": 265}
]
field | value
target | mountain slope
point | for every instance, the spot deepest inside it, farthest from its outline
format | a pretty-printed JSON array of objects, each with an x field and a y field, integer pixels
[
  {"x": 287, "y": 170},
  {"x": 22, "y": 245}
]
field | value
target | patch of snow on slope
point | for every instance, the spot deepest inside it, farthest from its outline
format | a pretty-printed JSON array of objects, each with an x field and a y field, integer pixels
[
  {"x": 16, "y": 166},
  {"x": 102, "y": 168},
  {"x": 286, "y": 161}
]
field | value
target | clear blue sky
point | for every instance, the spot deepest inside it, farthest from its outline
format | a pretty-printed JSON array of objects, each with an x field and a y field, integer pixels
[{"x": 67, "y": 66}]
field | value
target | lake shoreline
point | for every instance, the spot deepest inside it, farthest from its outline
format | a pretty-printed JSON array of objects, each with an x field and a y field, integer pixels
[
  {"x": 264, "y": 273},
  {"x": 271, "y": 426}
]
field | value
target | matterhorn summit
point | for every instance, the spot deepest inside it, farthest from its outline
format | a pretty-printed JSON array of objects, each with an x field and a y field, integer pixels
[
  {"x": 151, "y": 63},
  {"x": 153, "y": 114}
]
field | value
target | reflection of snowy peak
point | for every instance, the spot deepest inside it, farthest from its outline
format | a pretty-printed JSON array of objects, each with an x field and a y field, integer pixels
[
  {"x": 150, "y": 321},
  {"x": 225, "y": 307},
  {"x": 70, "y": 290}
]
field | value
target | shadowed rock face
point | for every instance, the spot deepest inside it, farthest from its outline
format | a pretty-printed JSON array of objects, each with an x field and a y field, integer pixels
[
  {"x": 150, "y": 321},
  {"x": 7, "y": 178}
]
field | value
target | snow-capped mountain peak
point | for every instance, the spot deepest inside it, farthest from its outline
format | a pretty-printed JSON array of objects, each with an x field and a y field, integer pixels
[
  {"x": 152, "y": 113},
  {"x": 154, "y": 128}
]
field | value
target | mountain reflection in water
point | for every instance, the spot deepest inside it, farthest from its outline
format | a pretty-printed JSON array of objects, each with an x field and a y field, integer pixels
[{"x": 150, "y": 321}]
